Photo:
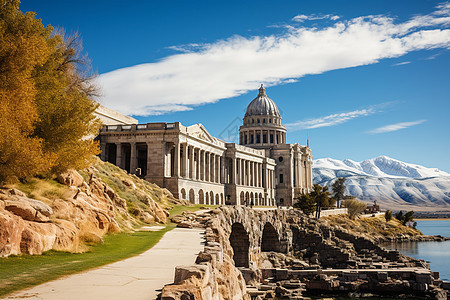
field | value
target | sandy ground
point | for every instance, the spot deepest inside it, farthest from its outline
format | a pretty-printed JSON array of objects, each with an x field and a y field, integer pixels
[{"x": 139, "y": 277}]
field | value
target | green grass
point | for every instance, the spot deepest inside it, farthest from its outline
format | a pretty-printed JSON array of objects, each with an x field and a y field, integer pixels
[
  {"x": 19, "y": 272},
  {"x": 178, "y": 209}
]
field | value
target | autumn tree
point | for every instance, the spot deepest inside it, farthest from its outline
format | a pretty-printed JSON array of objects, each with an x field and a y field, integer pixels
[
  {"x": 65, "y": 107},
  {"x": 46, "y": 101},
  {"x": 23, "y": 46}
]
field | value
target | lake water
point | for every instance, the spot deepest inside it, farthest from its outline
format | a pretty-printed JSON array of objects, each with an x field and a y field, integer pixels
[{"x": 437, "y": 253}]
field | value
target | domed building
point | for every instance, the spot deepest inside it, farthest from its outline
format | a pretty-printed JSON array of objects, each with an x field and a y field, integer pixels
[
  {"x": 262, "y": 129},
  {"x": 195, "y": 166}
]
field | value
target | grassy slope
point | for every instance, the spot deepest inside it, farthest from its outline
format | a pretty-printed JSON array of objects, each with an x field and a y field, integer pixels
[
  {"x": 374, "y": 226},
  {"x": 19, "y": 272}
]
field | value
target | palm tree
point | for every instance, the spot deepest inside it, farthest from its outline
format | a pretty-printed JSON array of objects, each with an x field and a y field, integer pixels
[{"x": 321, "y": 197}]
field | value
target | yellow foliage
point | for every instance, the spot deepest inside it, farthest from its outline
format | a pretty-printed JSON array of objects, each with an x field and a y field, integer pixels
[
  {"x": 46, "y": 110},
  {"x": 22, "y": 46}
]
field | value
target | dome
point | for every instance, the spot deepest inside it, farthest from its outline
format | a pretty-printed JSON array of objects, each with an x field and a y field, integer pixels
[{"x": 262, "y": 105}]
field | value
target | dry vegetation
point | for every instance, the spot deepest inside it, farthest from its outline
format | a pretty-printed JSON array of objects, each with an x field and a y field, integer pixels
[{"x": 376, "y": 227}]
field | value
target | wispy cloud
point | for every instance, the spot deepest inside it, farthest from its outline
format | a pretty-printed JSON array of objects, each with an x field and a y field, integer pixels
[
  {"x": 206, "y": 73},
  {"x": 330, "y": 120},
  {"x": 402, "y": 63},
  {"x": 395, "y": 127},
  {"x": 303, "y": 18}
]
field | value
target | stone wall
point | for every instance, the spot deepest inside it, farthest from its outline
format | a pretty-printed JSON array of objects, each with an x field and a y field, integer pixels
[{"x": 284, "y": 254}]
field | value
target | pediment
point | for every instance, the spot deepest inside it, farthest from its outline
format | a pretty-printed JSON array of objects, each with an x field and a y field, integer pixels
[{"x": 200, "y": 132}]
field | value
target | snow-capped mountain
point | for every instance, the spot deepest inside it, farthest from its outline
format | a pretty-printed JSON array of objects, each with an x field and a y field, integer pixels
[{"x": 392, "y": 182}]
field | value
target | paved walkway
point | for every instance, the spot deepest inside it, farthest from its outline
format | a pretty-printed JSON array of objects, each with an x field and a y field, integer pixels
[{"x": 139, "y": 277}]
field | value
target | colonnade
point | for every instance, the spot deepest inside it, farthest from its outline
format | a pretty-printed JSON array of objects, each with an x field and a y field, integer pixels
[
  {"x": 262, "y": 137},
  {"x": 194, "y": 163},
  {"x": 253, "y": 174}
]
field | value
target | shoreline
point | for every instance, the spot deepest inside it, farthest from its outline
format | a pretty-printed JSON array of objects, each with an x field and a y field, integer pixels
[{"x": 431, "y": 219}]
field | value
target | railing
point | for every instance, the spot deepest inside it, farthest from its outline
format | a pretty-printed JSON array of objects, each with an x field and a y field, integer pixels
[{"x": 111, "y": 127}]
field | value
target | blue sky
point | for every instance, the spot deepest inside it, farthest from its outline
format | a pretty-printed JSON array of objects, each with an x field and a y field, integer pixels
[{"x": 361, "y": 78}]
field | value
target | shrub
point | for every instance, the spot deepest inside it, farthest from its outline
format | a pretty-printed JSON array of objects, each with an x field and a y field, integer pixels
[
  {"x": 388, "y": 215},
  {"x": 354, "y": 207}
]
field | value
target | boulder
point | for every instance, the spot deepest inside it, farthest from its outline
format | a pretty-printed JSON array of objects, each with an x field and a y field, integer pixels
[
  {"x": 185, "y": 272},
  {"x": 21, "y": 209},
  {"x": 70, "y": 178},
  {"x": 11, "y": 227}
]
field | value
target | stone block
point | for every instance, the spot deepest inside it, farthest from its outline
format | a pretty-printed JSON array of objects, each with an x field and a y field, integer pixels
[
  {"x": 282, "y": 274},
  {"x": 382, "y": 276},
  {"x": 422, "y": 277},
  {"x": 184, "y": 272}
]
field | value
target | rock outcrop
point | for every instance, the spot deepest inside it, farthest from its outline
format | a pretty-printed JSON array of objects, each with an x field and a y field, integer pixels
[{"x": 82, "y": 214}]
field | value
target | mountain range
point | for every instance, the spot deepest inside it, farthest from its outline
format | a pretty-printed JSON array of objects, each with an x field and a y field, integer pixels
[{"x": 392, "y": 183}]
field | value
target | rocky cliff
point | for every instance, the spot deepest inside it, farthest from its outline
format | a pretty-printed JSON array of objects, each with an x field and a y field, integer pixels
[{"x": 76, "y": 210}]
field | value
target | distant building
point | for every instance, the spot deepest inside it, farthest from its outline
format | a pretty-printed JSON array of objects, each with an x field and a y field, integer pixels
[
  {"x": 262, "y": 169},
  {"x": 370, "y": 209}
]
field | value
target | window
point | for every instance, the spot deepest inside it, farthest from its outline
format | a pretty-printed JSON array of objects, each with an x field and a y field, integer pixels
[
  {"x": 280, "y": 159},
  {"x": 258, "y": 139},
  {"x": 281, "y": 178},
  {"x": 265, "y": 138},
  {"x": 251, "y": 138},
  {"x": 270, "y": 120},
  {"x": 271, "y": 138},
  {"x": 258, "y": 121},
  {"x": 264, "y": 120},
  {"x": 253, "y": 120},
  {"x": 245, "y": 139}
]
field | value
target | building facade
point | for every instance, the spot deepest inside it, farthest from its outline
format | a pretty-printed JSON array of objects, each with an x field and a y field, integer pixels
[{"x": 195, "y": 166}]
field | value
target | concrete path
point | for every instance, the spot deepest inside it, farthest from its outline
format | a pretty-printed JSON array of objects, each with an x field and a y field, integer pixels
[{"x": 139, "y": 277}]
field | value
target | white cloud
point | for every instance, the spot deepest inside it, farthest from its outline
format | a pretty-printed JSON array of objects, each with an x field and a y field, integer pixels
[
  {"x": 402, "y": 63},
  {"x": 330, "y": 120},
  {"x": 302, "y": 18},
  {"x": 395, "y": 127},
  {"x": 207, "y": 73}
]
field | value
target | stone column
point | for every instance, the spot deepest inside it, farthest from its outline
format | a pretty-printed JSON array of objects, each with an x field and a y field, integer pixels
[
  {"x": 213, "y": 168},
  {"x": 233, "y": 170},
  {"x": 253, "y": 169},
  {"x": 103, "y": 154},
  {"x": 148, "y": 158},
  {"x": 133, "y": 159},
  {"x": 247, "y": 173},
  {"x": 190, "y": 154},
  {"x": 260, "y": 175},
  {"x": 176, "y": 160},
  {"x": 239, "y": 171},
  {"x": 186, "y": 164},
  {"x": 202, "y": 165},
  {"x": 208, "y": 166},
  {"x": 197, "y": 164},
  {"x": 119, "y": 155}
]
